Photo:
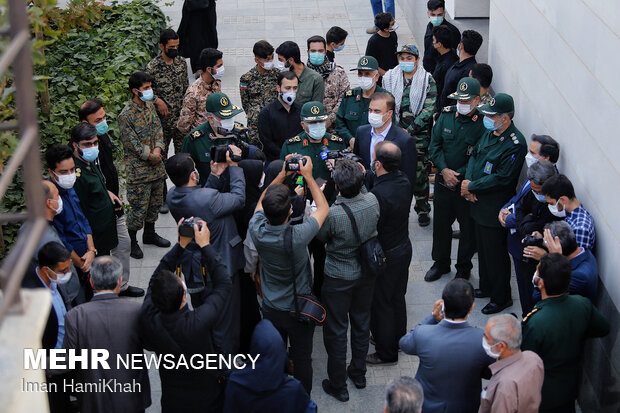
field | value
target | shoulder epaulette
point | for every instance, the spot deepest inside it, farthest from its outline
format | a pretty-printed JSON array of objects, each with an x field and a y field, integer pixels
[
  {"x": 514, "y": 138},
  {"x": 294, "y": 139},
  {"x": 448, "y": 109},
  {"x": 348, "y": 93},
  {"x": 335, "y": 138},
  {"x": 196, "y": 134},
  {"x": 534, "y": 311}
]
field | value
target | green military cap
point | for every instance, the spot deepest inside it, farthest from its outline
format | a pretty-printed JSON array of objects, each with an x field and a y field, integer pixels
[
  {"x": 409, "y": 48},
  {"x": 313, "y": 111},
  {"x": 467, "y": 89},
  {"x": 219, "y": 104},
  {"x": 501, "y": 103},
  {"x": 367, "y": 63}
]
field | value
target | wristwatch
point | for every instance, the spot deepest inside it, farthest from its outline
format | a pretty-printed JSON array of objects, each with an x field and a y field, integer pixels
[{"x": 93, "y": 250}]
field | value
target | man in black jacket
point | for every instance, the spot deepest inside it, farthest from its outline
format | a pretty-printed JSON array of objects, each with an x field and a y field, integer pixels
[
  {"x": 437, "y": 17},
  {"x": 168, "y": 326},
  {"x": 388, "y": 318}
]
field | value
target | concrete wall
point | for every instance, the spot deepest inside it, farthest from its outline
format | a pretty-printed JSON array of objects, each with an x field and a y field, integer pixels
[{"x": 558, "y": 59}]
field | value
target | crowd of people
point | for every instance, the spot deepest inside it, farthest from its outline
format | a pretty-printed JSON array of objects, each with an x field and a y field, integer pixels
[{"x": 301, "y": 219}]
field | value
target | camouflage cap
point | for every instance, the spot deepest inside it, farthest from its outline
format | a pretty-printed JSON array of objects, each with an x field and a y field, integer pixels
[
  {"x": 313, "y": 111},
  {"x": 367, "y": 63},
  {"x": 467, "y": 89},
  {"x": 409, "y": 48},
  {"x": 219, "y": 104},
  {"x": 501, "y": 103}
]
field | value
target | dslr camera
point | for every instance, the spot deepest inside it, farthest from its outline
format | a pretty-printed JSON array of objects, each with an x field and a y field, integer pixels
[
  {"x": 344, "y": 154},
  {"x": 532, "y": 241},
  {"x": 186, "y": 229},
  {"x": 293, "y": 163},
  {"x": 238, "y": 137}
]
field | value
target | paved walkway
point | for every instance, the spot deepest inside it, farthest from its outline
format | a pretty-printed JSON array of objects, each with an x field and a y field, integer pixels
[{"x": 240, "y": 24}]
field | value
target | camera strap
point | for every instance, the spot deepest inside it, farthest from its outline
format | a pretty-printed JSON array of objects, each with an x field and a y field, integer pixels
[
  {"x": 349, "y": 213},
  {"x": 288, "y": 247}
]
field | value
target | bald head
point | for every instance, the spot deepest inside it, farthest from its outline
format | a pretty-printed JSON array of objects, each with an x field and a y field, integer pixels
[
  {"x": 51, "y": 199},
  {"x": 388, "y": 157}
]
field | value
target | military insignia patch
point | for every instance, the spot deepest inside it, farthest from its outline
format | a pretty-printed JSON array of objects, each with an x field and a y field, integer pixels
[
  {"x": 492, "y": 101},
  {"x": 196, "y": 134},
  {"x": 364, "y": 61},
  {"x": 294, "y": 139},
  {"x": 463, "y": 87},
  {"x": 315, "y": 110},
  {"x": 349, "y": 93},
  {"x": 336, "y": 138},
  {"x": 224, "y": 101},
  {"x": 488, "y": 168},
  {"x": 78, "y": 172},
  {"x": 474, "y": 118}
]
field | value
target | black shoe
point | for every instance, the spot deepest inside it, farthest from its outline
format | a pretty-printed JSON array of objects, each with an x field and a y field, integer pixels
[
  {"x": 374, "y": 360},
  {"x": 493, "y": 308},
  {"x": 132, "y": 291},
  {"x": 359, "y": 382},
  {"x": 136, "y": 252},
  {"x": 164, "y": 209},
  {"x": 434, "y": 274},
  {"x": 424, "y": 220},
  {"x": 478, "y": 293},
  {"x": 149, "y": 236},
  {"x": 462, "y": 274},
  {"x": 340, "y": 395},
  {"x": 456, "y": 234}
]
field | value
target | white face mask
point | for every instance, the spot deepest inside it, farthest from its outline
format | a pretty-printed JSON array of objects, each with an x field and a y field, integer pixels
[
  {"x": 219, "y": 72},
  {"x": 555, "y": 211},
  {"x": 375, "y": 120},
  {"x": 281, "y": 66},
  {"x": 289, "y": 97},
  {"x": 58, "y": 210},
  {"x": 366, "y": 83},
  {"x": 535, "y": 277},
  {"x": 227, "y": 124},
  {"x": 530, "y": 159},
  {"x": 463, "y": 108},
  {"x": 66, "y": 181},
  {"x": 61, "y": 278},
  {"x": 487, "y": 348},
  {"x": 268, "y": 65}
]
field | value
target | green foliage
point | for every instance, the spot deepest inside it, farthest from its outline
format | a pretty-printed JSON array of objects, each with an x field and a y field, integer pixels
[{"x": 88, "y": 50}]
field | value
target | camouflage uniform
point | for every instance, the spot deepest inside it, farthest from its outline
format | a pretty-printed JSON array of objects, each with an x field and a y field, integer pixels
[
  {"x": 486, "y": 99},
  {"x": 419, "y": 127},
  {"x": 336, "y": 84},
  {"x": 257, "y": 90},
  {"x": 194, "y": 112},
  {"x": 169, "y": 84},
  {"x": 141, "y": 132}
]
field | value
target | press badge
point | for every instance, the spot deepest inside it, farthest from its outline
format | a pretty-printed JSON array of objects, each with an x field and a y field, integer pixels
[{"x": 488, "y": 168}]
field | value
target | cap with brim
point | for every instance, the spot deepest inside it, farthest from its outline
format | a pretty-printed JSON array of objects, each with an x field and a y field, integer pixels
[
  {"x": 220, "y": 106},
  {"x": 313, "y": 111},
  {"x": 467, "y": 89},
  {"x": 409, "y": 48},
  {"x": 501, "y": 103},
  {"x": 367, "y": 63}
]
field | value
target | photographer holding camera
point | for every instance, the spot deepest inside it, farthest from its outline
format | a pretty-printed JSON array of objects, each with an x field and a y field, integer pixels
[
  {"x": 168, "y": 326},
  {"x": 219, "y": 130},
  {"x": 188, "y": 199},
  {"x": 267, "y": 229}
]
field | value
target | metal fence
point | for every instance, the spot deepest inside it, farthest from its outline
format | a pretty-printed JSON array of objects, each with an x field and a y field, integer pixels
[{"x": 26, "y": 155}]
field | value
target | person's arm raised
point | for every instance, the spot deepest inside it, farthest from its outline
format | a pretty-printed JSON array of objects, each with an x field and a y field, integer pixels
[{"x": 322, "y": 207}]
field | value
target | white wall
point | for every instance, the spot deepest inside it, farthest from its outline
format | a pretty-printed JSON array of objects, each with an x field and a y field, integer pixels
[{"x": 559, "y": 60}]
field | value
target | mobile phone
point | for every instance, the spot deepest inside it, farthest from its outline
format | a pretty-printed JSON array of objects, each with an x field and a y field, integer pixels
[{"x": 320, "y": 181}]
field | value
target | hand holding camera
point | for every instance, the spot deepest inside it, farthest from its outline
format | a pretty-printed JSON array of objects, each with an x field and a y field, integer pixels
[{"x": 193, "y": 228}]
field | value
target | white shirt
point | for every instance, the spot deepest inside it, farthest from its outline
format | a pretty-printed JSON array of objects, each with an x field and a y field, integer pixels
[{"x": 375, "y": 139}]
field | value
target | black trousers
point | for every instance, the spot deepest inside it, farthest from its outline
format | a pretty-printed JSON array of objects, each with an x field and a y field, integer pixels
[
  {"x": 523, "y": 273},
  {"x": 300, "y": 338},
  {"x": 450, "y": 205},
  {"x": 346, "y": 300},
  {"x": 317, "y": 250},
  {"x": 388, "y": 314},
  {"x": 249, "y": 312},
  {"x": 493, "y": 262}
]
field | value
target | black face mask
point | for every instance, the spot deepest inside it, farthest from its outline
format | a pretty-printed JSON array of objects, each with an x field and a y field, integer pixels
[{"x": 172, "y": 53}]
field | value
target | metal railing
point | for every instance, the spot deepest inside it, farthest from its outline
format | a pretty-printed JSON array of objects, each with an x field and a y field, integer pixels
[{"x": 26, "y": 155}]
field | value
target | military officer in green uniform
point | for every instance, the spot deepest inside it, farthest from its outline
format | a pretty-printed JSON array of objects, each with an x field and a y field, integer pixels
[
  {"x": 490, "y": 181},
  {"x": 311, "y": 142},
  {"x": 454, "y": 136},
  {"x": 314, "y": 140},
  {"x": 353, "y": 110},
  {"x": 556, "y": 330},
  {"x": 198, "y": 142}
]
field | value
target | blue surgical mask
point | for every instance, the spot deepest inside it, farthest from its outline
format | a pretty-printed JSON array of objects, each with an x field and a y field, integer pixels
[
  {"x": 90, "y": 154},
  {"x": 102, "y": 127},
  {"x": 407, "y": 67},
  {"x": 317, "y": 59},
  {"x": 436, "y": 20},
  {"x": 317, "y": 130},
  {"x": 146, "y": 95},
  {"x": 539, "y": 197},
  {"x": 489, "y": 123},
  {"x": 339, "y": 49}
]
